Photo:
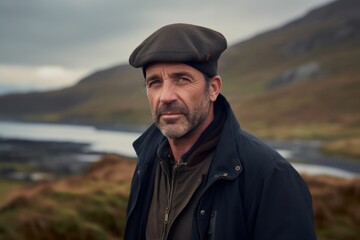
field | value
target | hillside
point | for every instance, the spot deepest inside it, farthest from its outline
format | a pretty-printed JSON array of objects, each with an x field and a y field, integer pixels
[
  {"x": 103, "y": 97},
  {"x": 303, "y": 74},
  {"x": 301, "y": 80},
  {"x": 93, "y": 205},
  {"x": 89, "y": 206}
]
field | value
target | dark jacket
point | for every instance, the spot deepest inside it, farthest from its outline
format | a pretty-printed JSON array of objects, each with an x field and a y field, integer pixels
[{"x": 252, "y": 193}]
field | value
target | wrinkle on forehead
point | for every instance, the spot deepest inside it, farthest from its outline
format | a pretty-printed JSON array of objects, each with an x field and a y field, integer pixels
[{"x": 175, "y": 68}]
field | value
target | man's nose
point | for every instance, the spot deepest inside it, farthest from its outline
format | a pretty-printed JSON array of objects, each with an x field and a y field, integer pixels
[{"x": 168, "y": 93}]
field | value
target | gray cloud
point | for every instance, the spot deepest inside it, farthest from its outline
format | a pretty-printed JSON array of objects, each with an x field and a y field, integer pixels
[{"x": 91, "y": 34}]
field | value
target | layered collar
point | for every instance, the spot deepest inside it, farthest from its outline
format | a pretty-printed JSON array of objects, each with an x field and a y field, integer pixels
[
  {"x": 205, "y": 143},
  {"x": 226, "y": 158}
]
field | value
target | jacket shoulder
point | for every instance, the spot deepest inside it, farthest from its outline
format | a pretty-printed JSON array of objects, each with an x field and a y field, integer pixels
[
  {"x": 259, "y": 159},
  {"x": 255, "y": 150}
]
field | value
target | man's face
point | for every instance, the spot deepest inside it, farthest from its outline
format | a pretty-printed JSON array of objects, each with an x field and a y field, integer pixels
[{"x": 179, "y": 98}]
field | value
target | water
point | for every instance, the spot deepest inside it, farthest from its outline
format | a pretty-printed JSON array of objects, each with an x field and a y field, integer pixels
[
  {"x": 121, "y": 143},
  {"x": 305, "y": 155},
  {"x": 98, "y": 140}
]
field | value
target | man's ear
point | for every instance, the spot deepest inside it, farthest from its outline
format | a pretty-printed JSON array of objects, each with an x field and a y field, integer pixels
[{"x": 215, "y": 87}]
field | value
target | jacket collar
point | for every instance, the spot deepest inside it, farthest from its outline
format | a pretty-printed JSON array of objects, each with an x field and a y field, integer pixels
[
  {"x": 226, "y": 163},
  {"x": 147, "y": 144}
]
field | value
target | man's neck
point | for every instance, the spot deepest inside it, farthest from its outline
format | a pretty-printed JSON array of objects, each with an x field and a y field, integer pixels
[{"x": 182, "y": 145}]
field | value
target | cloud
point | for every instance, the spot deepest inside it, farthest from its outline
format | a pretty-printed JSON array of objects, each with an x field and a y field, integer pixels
[
  {"x": 73, "y": 33},
  {"x": 92, "y": 34},
  {"x": 61, "y": 32},
  {"x": 40, "y": 78}
]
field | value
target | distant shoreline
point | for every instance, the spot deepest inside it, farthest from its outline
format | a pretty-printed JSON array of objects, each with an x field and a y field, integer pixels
[
  {"x": 296, "y": 151},
  {"x": 23, "y": 159},
  {"x": 119, "y": 127}
]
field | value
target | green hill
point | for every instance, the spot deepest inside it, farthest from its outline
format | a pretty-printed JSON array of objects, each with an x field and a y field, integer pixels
[{"x": 301, "y": 80}]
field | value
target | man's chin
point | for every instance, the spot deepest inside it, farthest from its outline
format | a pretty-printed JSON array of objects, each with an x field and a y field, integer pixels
[{"x": 172, "y": 131}]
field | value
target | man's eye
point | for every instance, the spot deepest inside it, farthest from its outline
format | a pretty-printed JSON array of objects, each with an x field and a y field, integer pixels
[
  {"x": 183, "y": 79},
  {"x": 153, "y": 83}
]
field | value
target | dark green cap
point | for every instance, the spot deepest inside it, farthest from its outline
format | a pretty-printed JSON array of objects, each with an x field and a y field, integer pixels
[{"x": 196, "y": 46}]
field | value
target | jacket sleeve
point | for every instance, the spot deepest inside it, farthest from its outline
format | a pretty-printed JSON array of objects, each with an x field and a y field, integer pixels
[{"x": 284, "y": 207}]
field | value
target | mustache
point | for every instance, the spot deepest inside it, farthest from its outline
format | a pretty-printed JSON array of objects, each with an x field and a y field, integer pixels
[{"x": 173, "y": 107}]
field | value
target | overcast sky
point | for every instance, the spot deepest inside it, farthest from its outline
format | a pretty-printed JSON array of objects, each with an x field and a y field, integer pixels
[{"x": 51, "y": 44}]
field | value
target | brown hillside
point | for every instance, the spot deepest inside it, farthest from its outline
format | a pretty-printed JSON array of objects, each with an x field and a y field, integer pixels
[
  {"x": 92, "y": 206},
  {"x": 88, "y": 207}
]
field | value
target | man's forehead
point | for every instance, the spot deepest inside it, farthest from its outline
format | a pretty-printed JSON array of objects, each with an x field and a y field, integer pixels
[{"x": 170, "y": 68}]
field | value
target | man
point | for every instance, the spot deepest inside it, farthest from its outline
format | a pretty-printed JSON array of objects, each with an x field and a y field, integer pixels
[{"x": 199, "y": 175}]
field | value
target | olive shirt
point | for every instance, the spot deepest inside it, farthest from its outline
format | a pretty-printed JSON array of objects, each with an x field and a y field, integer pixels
[{"x": 178, "y": 186}]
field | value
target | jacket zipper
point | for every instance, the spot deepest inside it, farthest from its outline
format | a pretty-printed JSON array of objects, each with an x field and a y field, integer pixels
[{"x": 165, "y": 231}]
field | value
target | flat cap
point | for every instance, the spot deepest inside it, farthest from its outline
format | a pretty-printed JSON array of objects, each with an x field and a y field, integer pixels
[{"x": 196, "y": 46}]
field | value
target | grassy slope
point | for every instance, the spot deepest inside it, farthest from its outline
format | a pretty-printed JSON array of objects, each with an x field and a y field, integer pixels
[
  {"x": 325, "y": 107},
  {"x": 92, "y": 206},
  {"x": 88, "y": 207},
  {"x": 328, "y": 101}
]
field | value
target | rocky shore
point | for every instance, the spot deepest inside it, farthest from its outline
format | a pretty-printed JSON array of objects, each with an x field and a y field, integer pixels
[
  {"x": 39, "y": 160},
  {"x": 32, "y": 160}
]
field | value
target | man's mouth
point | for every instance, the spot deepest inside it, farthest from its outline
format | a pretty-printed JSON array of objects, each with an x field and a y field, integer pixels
[
  {"x": 170, "y": 117},
  {"x": 170, "y": 114}
]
